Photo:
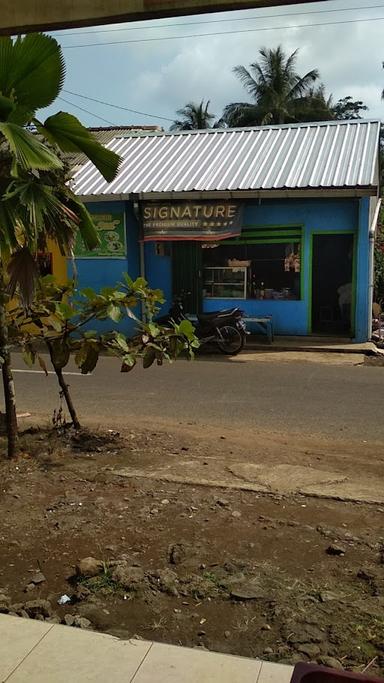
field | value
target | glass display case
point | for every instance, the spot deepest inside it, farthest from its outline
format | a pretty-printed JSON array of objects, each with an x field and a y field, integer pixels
[
  {"x": 225, "y": 283},
  {"x": 269, "y": 270}
]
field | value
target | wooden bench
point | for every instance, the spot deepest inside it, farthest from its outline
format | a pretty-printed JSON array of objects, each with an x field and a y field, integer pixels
[{"x": 264, "y": 323}]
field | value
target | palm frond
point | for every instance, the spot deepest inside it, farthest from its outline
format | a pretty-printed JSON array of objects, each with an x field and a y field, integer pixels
[
  {"x": 261, "y": 79},
  {"x": 290, "y": 63},
  {"x": 20, "y": 115},
  {"x": 66, "y": 131},
  {"x": 28, "y": 151},
  {"x": 38, "y": 70},
  {"x": 7, "y": 106},
  {"x": 43, "y": 211},
  {"x": 303, "y": 83},
  {"x": 8, "y": 223},
  {"x": 23, "y": 273},
  {"x": 41, "y": 202},
  {"x": 193, "y": 117},
  {"x": 86, "y": 225},
  {"x": 6, "y": 63},
  {"x": 249, "y": 83},
  {"x": 239, "y": 114},
  {"x": 178, "y": 125}
]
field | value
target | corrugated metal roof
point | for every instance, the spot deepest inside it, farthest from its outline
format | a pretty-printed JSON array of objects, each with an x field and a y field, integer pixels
[
  {"x": 105, "y": 134},
  {"x": 339, "y": 154}
]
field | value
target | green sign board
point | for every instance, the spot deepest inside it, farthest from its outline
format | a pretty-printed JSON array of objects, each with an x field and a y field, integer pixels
[{"x": 111, "y": 230}]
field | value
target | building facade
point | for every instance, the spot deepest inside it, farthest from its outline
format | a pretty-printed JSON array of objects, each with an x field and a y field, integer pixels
[{"x": 277, "y": 220}]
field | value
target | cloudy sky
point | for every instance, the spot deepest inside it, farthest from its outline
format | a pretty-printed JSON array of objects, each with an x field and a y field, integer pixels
[{"x": 159, "y": 76}]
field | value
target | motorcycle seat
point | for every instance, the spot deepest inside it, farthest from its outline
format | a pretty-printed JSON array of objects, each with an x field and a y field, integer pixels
[{"x": 227, "y": 312}]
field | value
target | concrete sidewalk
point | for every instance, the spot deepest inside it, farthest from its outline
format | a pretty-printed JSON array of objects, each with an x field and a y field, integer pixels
[
  {"x": 312, "y": 344},
  {"x": 39, "y": 652}
]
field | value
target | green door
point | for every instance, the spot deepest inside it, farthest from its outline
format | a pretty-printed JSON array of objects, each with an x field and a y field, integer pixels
[{"x": 187, "y": 274}]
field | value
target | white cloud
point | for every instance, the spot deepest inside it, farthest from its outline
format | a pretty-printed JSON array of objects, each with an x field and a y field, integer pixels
[
  {"x": 204, "y": 69},
  {"x": 160, "y": 77}
]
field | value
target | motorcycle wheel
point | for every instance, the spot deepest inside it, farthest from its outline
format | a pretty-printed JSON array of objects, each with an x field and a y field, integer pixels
[{"x": 232, "y": 341}]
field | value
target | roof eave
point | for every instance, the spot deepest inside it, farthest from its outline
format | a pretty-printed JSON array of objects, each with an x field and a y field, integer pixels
[{"x": 306, "y": 193}]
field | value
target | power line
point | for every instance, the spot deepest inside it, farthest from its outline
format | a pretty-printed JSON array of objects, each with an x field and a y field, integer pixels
[
  {"x": 223, "y": 33},
  {"x": 111, "y": 123},
  {"x": 116, "y": 106},
  {"x": 217, "y": 21}
]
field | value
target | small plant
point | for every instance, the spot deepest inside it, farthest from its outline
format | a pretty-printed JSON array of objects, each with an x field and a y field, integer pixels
[
  {"x": 60, "y": 316},
  {"x": 158, "y": 624},
  {"x": 103, "y": 582},
  {"x": 242, "y": 625},
  {"x": 210, "y": 576}
]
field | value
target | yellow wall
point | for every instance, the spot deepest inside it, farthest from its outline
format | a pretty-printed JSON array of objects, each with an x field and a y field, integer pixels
[{"x": 59, "y": 263}]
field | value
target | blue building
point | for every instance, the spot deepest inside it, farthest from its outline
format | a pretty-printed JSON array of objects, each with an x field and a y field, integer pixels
[{"x": 278, "y": 220}]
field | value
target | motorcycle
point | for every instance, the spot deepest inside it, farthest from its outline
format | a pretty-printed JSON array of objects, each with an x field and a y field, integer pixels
[{"x": 226, "y": 328}]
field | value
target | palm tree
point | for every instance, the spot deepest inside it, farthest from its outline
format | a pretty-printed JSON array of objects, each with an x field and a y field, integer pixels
[
  {"x": 279, "y": 93},
  {"x": 35, "y": 199},
  {"x": 316, "y": 105},
  {"x": 193, "y": 117}
]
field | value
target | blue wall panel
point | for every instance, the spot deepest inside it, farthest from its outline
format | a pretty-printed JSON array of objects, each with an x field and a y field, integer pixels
[
  {"x": 315, "y": 216},
  {"x": 363, "y": 303},
  {"x": 101, "y": 272},
  {"x": 290, "y": 317}
]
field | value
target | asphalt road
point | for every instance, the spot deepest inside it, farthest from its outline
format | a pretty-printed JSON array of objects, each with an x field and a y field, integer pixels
[{"x": 325, "y": 399}]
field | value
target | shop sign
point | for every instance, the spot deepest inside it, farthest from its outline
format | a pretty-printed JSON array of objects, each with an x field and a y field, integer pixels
[
  {"x": 202, "y": 221},
  {"x": 111, "y": 231}
]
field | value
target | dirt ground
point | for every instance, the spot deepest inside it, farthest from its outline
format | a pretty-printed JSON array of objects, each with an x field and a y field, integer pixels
[{"x": 284, "y": 577}]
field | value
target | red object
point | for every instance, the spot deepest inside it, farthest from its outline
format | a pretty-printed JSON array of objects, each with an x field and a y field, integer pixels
[{"x": 310, "y": 673}]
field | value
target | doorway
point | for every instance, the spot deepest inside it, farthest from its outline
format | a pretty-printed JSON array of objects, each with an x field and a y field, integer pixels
[
  {"x": 187, "y": 274},
  {"x": 332, "y": 284}
]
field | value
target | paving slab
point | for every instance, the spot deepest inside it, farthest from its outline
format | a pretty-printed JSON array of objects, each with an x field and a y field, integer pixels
[
  {"x": 274, "y": 673},
  {"x": 360, "y": 491},
  {"x": 171, "y": 664},
  {"x": 310, "y": 344},
  {"x": 44, "y": 653},
  {"x": 285, "y": 478},
  {"x": 18, "y": 637},
  {"x": 263, "y": 478},
  {"x": 70, "y": 655},
  {"x": 305, "y": 356}
]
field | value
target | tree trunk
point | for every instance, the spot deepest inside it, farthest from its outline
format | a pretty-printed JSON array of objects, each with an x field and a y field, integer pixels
[
  {"x": 68, "y": 399},
  {"x": 64, "y": 388},
  {"x": 8, "y": 384}
]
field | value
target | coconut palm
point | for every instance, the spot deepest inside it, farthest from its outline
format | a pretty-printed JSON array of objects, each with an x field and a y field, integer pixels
[
  {"x": 35, "y": 199},
  {"x": 193, "y": 117},
  {"x": 279, "y": 93},
  {"x": 316, "y": 105}
]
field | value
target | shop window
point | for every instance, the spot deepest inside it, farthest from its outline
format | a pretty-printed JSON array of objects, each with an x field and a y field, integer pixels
[{"x": 247, "y": 270}]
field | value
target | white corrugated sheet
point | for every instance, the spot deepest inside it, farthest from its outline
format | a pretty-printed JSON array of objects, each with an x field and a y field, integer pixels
[
  {"x": 105, "y": 134},
  {"x": 339, "y": 154}
]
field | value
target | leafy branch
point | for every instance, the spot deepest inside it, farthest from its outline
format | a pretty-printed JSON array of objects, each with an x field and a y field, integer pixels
[{"x": 60, "y": 315}]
